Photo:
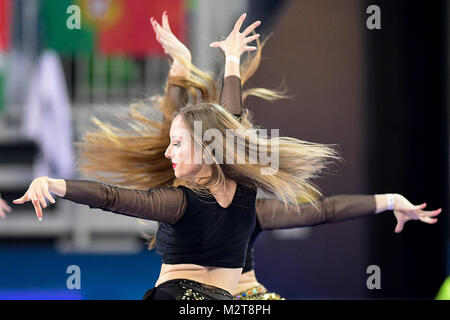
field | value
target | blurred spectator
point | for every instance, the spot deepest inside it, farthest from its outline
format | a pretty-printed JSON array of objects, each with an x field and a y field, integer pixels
[{"x": 3, "y": 207}]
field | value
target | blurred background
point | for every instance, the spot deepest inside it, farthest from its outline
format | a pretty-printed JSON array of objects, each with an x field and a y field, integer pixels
[{"x": 380, "y": 94}]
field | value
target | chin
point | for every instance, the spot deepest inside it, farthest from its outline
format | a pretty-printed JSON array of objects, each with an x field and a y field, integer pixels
[
  {"x": 179, "y": 175},
  {"x": 184, "y": 175}
]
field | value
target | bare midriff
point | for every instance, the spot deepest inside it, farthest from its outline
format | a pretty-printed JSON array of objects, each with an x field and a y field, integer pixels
[
  {"x": 246, "y": 281},
  {"x": 224, "y": 278}
]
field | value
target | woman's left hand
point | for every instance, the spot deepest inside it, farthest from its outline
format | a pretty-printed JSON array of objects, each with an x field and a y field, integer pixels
[{"x": 405, "y": 211}]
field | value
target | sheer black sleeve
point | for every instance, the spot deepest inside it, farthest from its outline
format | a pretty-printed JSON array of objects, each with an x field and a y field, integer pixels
[
  {"x": 231, "y": 95},
  {"x": 159, "y": 204},
  {"x": 178, "y": 95},
  {"x": 272, "y": 213}
]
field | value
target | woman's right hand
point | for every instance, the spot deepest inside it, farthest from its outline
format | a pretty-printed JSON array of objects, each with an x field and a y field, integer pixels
[
  {"x": 172, "y": 46},
  {"x": 36, "y": 193}
]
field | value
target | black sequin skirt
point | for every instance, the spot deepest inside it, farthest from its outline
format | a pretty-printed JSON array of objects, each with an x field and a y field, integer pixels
[{"x": 184, "y": 289}]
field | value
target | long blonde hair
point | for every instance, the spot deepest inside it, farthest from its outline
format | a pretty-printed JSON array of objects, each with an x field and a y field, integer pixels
[
  {"x": 298, "y": 161},
  {"x": 134, "y": 157}
]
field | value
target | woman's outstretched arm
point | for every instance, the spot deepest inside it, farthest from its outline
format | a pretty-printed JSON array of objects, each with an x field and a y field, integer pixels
[
  {"x": 272, "y": 213},
  {"x": 159, "y": 204}
]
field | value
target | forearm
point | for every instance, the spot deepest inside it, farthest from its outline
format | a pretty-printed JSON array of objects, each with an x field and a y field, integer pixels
[
  {"x": 93, "y": 194},
  {"x": 231, "y": 93},
  {"x": 106, "y": 197},
  {"x": 178, "y": 95},
  {"x": 180, "y": 68},
  {"x": 344, "y": 207},
  {"x": 177, "y": 91},
  {"x": 273, "y": 215},
  {"x": 159, "y": 204}
]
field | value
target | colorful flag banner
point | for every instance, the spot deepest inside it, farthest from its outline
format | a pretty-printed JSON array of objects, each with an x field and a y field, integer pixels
[
  {"x": 109, "y": 26},
  {"x": 5, "y": 14}
]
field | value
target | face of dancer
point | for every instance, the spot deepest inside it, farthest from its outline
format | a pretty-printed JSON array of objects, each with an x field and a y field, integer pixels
[{"x": 181, "y": 150}]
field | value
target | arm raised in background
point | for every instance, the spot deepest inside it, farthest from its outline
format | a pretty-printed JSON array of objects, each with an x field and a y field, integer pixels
[
  {"x": 181, "y": 59},
  {"x": 178, "y": 52},
  {"x": 233, "y": 47},
  {"x": 159, "y": 204}
]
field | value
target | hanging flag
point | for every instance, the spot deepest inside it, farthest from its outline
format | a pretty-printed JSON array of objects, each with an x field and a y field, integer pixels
[
  {"x": 47, "y": 119},
  {"x": 2, "y": 81},
  {"x": 110, "y": 26},
  {"x": 5, "y": 13},
  {"x": 129, "y": 30},
  {"x": 56, "y": 35}
]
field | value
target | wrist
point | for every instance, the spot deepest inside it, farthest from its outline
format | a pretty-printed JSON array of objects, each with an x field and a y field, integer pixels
[
  {"x": 397, "y": 200},
  {"x": 57, "y": 186},
  {"x": 232, "y": 58},
  {"x": 390, "y": 198},
  {"x": 179, "y": 73},
  {"x": 385, "y": 202},
  {"x": 232, "y": 53},
  {"x": 180, "y": 69}
]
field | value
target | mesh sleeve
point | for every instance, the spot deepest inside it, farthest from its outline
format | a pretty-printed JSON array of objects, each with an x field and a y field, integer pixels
[
  {"x": 272, "y": 213},
  {"x": 231, "y": 95},
  {"x": 178, "y": 95},
  {"x": 159, "y": 204}
]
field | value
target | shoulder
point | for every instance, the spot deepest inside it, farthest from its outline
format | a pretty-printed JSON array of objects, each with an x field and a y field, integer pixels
[
  {"x": 171, "y": 201},
  {"x": 182, "y": 189},
  {"x": 197, "y": 195},
  {"x": 169, "y": 194},
  {"x": 245, "y": 194},
  {"x": 166, "y": 189}
]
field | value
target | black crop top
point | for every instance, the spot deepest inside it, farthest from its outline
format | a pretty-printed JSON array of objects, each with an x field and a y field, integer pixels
[{"x": 208, "y": 234}]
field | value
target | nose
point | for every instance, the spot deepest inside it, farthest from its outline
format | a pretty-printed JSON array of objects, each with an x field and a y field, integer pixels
[{"x": 167, "y": 154}]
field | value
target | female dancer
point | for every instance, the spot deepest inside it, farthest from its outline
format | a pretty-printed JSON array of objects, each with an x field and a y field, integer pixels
[
  {"x": 206, "y": 222},
  {"x": 331, "y": 209}
]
